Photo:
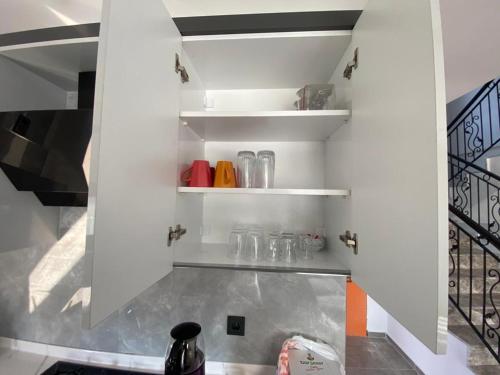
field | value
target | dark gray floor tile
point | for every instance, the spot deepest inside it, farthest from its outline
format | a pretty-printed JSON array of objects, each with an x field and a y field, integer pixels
[
  {"x": 374, "y": 353},
  {"x": 365, "y": 359},
  {"x": 395, "y": 360}
]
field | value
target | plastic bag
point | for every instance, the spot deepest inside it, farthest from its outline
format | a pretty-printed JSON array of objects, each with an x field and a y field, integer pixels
[{"x": 327, "y": 362}]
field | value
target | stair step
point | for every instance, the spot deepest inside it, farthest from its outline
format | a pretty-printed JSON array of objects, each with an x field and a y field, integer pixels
[
  {"x": 476, "y": 249},
  {"x": 481, "y": 356},
  {"x": 486, "y": 370},
  {"x": 476, "y": 273},
  {"x": 477, "y": 261},
  {"x": 466, "y": 334},
  {"x": 456, "y": 318},
  {"x": 477, "y": 285},
  {"x": 478, "y": 353},
  {"x": 477, "y": 299}
]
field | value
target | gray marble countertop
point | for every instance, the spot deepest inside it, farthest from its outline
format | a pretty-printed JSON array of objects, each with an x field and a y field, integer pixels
[{"x": 25, "y": 363}]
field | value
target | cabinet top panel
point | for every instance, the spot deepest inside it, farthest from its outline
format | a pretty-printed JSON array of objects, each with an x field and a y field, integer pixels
[
  {"x": 266, "y": 60},
  {"x": 288, "y": 19}
]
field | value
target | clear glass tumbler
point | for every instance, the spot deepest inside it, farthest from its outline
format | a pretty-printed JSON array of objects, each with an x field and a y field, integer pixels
[
  {"x": 273, "y": 252},
  {"x": 237, "y": 242},
  {"x": 304, "y": 249},
  {"x": 245, "y": 168},
  {"x": 288, "y": 247},
  {"x": 264, "y": 170},
  {"x": 254, "y": 245}
]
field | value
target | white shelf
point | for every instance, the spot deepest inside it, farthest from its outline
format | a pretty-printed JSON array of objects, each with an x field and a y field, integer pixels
[
  {"x": 251, "y": 126},
  {"x": 209, "y": 255},
  {"x": 266, "y": 60},
  {"x": 313, "y": 192}
]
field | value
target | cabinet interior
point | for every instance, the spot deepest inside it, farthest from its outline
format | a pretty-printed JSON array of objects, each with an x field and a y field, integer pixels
[{"x": 241, "y": 96}]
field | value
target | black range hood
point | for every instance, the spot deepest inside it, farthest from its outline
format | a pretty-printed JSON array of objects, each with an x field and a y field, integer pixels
[{"x": 43, "y": 151}]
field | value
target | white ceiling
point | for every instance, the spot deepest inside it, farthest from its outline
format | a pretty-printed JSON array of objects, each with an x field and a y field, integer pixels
[{"x": 471, "y": 33}]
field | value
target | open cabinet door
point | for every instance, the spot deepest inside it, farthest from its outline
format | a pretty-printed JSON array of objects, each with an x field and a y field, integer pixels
[
  {"x": 132, "y": 188},
  {"x": 398, "y": 163}
]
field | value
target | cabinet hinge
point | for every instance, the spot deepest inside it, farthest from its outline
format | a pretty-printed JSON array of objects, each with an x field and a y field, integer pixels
[
  {"x": 350, "y": 240},
  {"x": 181, "y": 69},
  {"x": 175, "y": 234},
  {"x": 351, "y": 65}
]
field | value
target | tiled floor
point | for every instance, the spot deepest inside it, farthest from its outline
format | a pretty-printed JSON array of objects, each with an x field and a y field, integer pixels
[{"x": 376, "y": 356}]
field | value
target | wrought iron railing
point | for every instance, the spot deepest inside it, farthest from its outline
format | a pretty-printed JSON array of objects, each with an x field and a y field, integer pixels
[
  {"x": 473, "y": 280},
  {"x": 476, "y": 129},
  {"x": 474, "y": 193},
  {"x": 474, "y": 224}
]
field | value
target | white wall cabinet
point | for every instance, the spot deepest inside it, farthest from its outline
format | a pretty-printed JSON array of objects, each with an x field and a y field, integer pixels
[{"x": 376, "y": 165}]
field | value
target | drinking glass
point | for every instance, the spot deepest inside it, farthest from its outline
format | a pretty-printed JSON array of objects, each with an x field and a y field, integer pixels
[
  {"x": 245, "y": 168},
  {"x": 264, "y": 171},
  {"x": 288, "y": 247},
  {"x": 254, "y": 245},
  {"x": 237, "y": 241},
  {"x": 305, "y": 250},
  {"x": 273, "y": 252}
]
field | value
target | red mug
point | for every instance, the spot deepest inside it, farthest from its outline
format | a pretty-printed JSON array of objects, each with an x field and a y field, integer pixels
[{"x": 198, "y": 175}]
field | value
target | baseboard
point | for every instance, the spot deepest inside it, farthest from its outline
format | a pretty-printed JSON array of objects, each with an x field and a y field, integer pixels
[{"x": 381, "y": 335}]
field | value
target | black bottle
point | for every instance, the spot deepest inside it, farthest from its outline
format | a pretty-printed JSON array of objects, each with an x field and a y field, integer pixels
[{"x": 185, "y": 355}]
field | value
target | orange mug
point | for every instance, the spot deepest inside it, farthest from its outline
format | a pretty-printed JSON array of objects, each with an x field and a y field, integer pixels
[{"x": 224, "y": 175}]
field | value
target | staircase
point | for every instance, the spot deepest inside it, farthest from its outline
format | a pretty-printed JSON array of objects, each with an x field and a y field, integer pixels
[
  {"x": 474, "y": 230},
  {"x": 472, "y": 315}
]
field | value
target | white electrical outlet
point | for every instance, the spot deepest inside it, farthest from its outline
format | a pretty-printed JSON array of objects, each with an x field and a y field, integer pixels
[{"x": 72, "y": 100}]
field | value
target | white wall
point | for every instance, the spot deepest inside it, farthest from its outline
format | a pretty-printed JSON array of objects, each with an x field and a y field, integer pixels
[
  {"x": 20, "y": 89},
  {"x": 454, "y": 107},
  {"x": 470, "y": 35},
  {"x": 25, "y": 222},
  {"x": 453, "y": 362},
  {"x": 376, "y": 317}
]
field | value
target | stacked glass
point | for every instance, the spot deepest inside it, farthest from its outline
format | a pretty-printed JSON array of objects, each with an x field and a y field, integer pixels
[{"x": 264, "y": 170}]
